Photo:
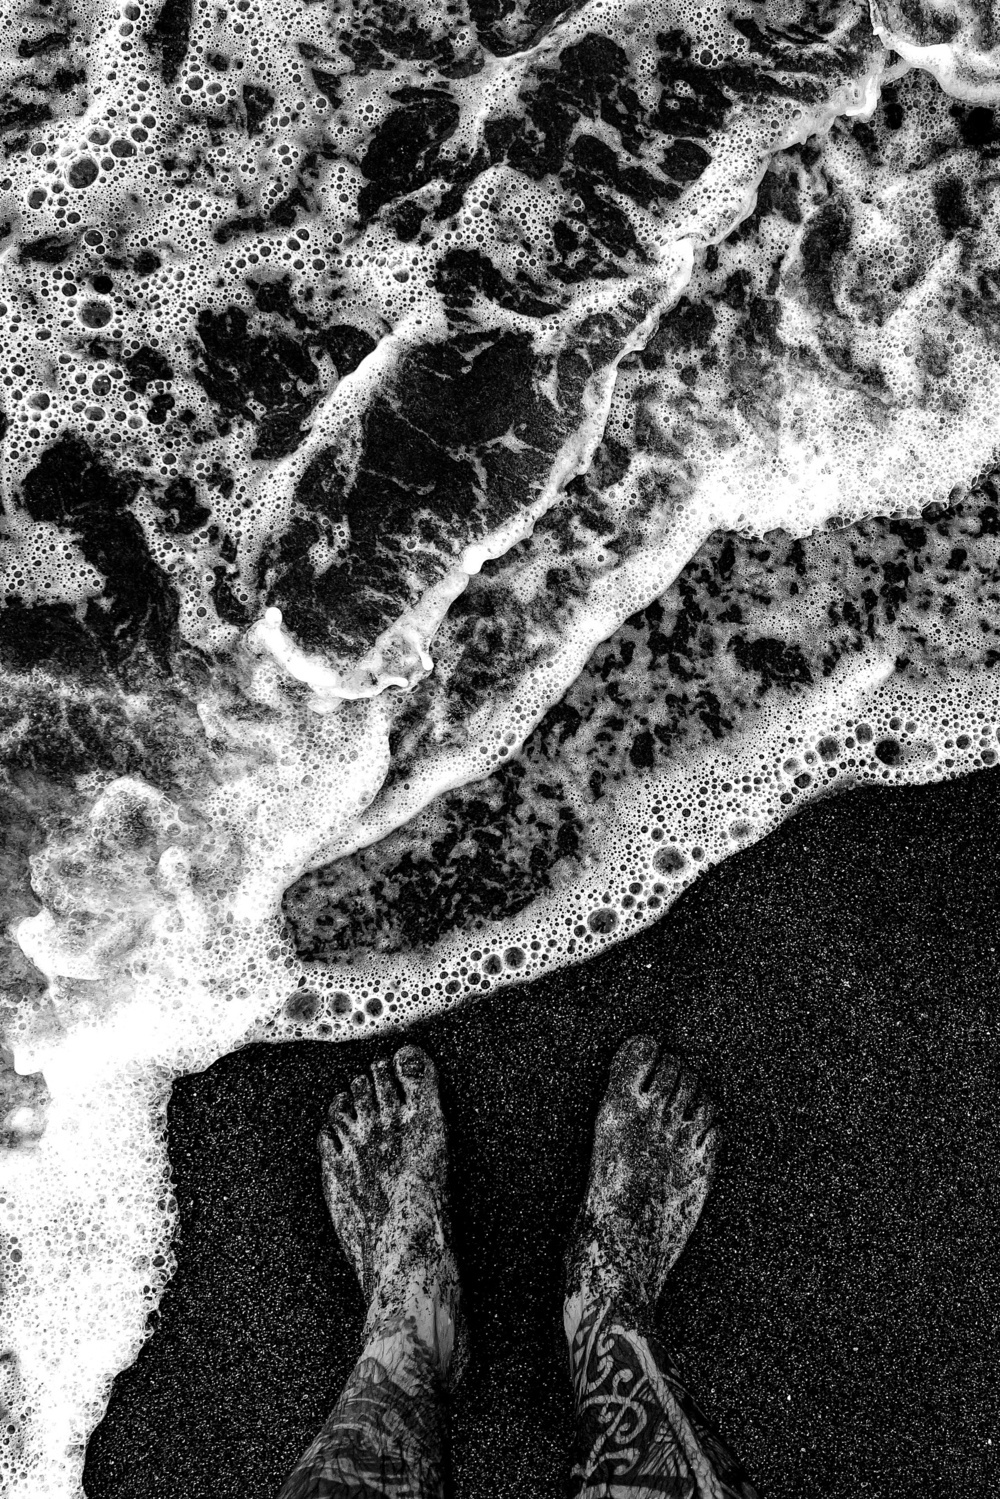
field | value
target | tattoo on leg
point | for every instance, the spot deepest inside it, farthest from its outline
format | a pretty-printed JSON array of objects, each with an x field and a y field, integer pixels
[
  {"x": 385, "y": 1438},
  {"x": 384, "y": 1168},
  {"x": 640, "y": 1434}
]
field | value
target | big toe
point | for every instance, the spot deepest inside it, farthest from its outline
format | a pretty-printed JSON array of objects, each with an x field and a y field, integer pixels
[
  {"x": 417, "y": 1078},
  {"x": 632, "y": 1066}
]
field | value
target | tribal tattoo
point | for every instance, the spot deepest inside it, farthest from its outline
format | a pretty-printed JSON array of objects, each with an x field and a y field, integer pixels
[{"x": 639, "y": 1432}]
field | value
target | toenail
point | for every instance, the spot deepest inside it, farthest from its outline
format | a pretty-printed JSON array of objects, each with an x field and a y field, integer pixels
[{"x": 411, "y": 1063}]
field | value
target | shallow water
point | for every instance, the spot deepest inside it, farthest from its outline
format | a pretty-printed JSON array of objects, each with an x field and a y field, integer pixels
[{"x": 465, "y": 473}]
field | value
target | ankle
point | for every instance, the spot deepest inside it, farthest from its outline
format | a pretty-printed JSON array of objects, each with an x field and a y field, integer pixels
[
  {"x": 587, "y": 1306},
  {"x": 573, "y": 1309},
  {"x": 595, "y": 1278},
  {"x": 417, "y": 1326}
]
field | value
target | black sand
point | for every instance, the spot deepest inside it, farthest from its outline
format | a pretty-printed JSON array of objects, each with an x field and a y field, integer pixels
[{"x": 838, "y": 1309}]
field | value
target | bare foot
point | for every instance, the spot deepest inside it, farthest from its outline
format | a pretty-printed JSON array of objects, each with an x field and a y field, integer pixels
[
  {"x": 650, "y": 1171},
  {"x": 385, "y": 1167}
]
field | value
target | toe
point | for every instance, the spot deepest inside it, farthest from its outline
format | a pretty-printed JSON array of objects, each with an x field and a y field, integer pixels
[
  {"x": 364, "y": 1098},
  {"x": 340, "y": 1124},
  {"x": 705, "y": 1125},
  {"x": 417, "y": 1076},
  {"x": 692, "y": 1141},
  {"x": 682, "y": 1097},
  {"x": 340, "y": 1114},
  {"x": 705, "y": 1113},
  {"x": 386, "y": 1091},
  {"x": 701, "y": 1160},
  {"x": 667, "y": 1076},
  {"x": 633, "y": 1063},
  {"x": 708, "y": 1142}
]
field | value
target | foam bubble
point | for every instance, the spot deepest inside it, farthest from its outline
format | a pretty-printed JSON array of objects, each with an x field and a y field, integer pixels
[{"x": 954, "y": 42}]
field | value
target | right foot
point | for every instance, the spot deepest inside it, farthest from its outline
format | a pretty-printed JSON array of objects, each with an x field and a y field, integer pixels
[
  {"x": 385, "y": 1164},
  {"x": 651, "y": 1168}
]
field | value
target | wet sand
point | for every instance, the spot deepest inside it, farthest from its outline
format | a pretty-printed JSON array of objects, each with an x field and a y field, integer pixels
[{"x": 838, "y": 1309}]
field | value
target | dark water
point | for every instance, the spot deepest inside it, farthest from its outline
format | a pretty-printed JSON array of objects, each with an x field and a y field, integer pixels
[{"x": 838, "y": 1309}]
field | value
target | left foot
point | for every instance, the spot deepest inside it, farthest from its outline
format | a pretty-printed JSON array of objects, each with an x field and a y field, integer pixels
[{"x": 385, "y": 1165}]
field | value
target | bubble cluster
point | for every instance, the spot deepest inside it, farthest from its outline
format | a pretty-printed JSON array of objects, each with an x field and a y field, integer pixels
[
  {"x": 953, "y": 42},
  {"x": 182, "y": 182}
]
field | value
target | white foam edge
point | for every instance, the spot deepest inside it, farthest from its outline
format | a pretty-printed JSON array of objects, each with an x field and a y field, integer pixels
[
  {"x": 407, "y": 640},
  {"x": 940, "y": 61},
  {"x": 868, "y": 691}
]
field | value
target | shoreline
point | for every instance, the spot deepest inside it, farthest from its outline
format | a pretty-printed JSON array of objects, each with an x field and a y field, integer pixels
[{"x": 838, "y": 1310}]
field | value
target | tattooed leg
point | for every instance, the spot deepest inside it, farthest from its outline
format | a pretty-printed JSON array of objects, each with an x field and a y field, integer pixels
[
  {"x": 384, "y": 1166},
  {"x": 639, "y": 1433}
]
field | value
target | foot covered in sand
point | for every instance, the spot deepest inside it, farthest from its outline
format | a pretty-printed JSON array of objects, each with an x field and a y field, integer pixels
[
  {"x": 385, "y": 1164},
  {"x": 655, "y": 1145}
]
